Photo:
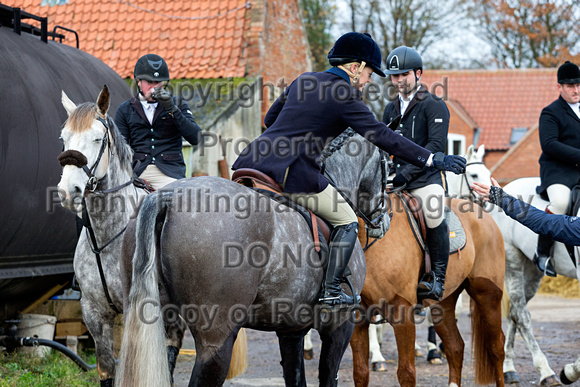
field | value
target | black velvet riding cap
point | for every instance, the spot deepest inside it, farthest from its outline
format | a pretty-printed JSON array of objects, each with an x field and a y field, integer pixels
[
  {"x": 355, "y": 46},
  {"x": 569, "y": 73}
]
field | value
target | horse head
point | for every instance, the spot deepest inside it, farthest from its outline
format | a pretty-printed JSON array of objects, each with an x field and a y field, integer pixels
[
  {"x": 89, "y": 138},
  {"x": 359, "y": 170},
  {"x": 475, "y": 171}
]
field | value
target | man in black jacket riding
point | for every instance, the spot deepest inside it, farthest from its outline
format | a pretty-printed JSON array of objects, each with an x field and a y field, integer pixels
[
  {"x": 154, "y": 122},
  {"x": 560, "y": 160},
  {"x": 424, "y": 119}
]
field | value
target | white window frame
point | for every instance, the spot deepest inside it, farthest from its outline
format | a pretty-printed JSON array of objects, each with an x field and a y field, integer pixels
[{"x": 452, "y": 138}]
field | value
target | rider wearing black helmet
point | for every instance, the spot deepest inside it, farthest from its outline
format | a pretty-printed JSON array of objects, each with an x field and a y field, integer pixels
[
  {"x": 154, "y": 122},
  {"x": 560, "y": 160},
  {"x": 424, "y": 119},
  {"x": 314, "y": 109}
]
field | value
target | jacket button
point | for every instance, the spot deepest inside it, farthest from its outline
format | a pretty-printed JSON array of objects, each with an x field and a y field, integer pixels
[
  {"x": 153, "y": 158},
  {"x": 151, "y": 129},
  {"x": 398, "y": 165},
  {"x": 152, "y": 146}
]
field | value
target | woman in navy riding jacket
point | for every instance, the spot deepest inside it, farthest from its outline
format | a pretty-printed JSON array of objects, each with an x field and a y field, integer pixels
[{"x": 313, "y": 110}]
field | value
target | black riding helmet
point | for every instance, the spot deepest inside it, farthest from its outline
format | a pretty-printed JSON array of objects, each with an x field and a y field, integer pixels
[
  {"x": 403, "y": 59},
  {"x": 356, "y": 47},
  {"x": 151, "y": 68},
  {"x": 569, "y": 73}
]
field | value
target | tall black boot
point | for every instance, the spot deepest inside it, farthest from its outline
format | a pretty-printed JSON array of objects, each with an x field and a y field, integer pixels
[
  {"x": 342, "y": 242},
  {"x": 543, "y": 253},
  {"x": 432, "y": 284}
]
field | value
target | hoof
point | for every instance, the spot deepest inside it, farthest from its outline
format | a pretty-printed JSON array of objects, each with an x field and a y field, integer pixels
[
  {"x": 564, "y": 378},
  {"x": 419, "y": 353},
  {"x": 434, "y": 357},
  {"x": 442, "y": 351},
  {"x": 551, "y": 381},
  {"x": 308, "y": 354},
  {"x": 380, "y": 366},
  {"x": 511, "y": 377}
]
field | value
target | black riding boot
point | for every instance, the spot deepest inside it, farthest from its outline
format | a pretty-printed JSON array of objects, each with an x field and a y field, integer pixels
[
  {"x": 342, "y": 244},
  {"x": 542, "y": 255},
  {"x": 432, "y": 284}
]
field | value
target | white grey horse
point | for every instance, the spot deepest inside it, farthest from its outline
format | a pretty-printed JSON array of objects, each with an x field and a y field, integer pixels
[
  {"x": 458, "y": 186},
  {"x": 571, "y": 372},
  {"x": 523, "y": 279},
  {"x": 97, "y": 175}
]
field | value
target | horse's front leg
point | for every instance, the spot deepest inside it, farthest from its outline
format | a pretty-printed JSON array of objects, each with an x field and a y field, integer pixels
[
  {"x": 400, "y": 316},
  {"x": 334, "y": 343},
  {"x": 359, "y": 344},
  {"x": 291, "y": 349},
  {"x": 100, "y": 324}
]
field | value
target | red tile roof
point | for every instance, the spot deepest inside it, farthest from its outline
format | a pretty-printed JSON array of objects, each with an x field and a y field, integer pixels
[
  {"x": 198, "y": 39},
  {"x": 499, "y": 100}
]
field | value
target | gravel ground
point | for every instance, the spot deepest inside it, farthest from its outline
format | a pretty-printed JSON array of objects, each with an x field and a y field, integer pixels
[{"x": 556, "y": 326}]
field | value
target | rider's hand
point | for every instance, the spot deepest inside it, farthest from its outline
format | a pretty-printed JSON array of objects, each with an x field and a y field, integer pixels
[
  {"x": 453, "y": 163},
  {"x": 399, "y": 180},
  {"x": 165, "y": 99}
]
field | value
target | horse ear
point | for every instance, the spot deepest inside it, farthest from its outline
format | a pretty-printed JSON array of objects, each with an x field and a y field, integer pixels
[
  {"x": 69, "y": 105},
  {"x": 481, "y": 151},
  {"x": 469, "y": 152},
  {"x": 103, "y": 101}
]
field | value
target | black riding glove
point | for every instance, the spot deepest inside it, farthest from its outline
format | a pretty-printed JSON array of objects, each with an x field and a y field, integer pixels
[
  {"x": 399, "y": 180},
  {"x": 166, "y": 100},
  {"x": 453, "y": 163}
]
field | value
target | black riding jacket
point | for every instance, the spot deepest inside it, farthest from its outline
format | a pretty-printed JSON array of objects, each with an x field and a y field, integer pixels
[{"x": 426, "y": 123}]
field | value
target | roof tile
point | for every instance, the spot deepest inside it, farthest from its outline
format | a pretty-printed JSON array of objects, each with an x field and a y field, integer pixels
[
  {"x": 497, "y": 100},
  {"x": 118, "y": 32}
]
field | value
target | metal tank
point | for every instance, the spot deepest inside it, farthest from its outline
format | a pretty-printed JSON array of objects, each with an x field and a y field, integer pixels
[{"x": 38, "y": 236}]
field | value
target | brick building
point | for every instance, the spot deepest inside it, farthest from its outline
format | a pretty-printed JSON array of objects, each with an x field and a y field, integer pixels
[
  {"x": 498, "y": 108},
  {"x": 261, "y": 44}
]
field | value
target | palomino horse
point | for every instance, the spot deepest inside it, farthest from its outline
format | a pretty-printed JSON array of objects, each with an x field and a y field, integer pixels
[
  {"x": 97, "y": 175},
  {"x": 458, "y": 186},
  {"x": 230, "y": 257},
  {"x": 394, "y": 265},
  {"x": 523, "y": 279}
]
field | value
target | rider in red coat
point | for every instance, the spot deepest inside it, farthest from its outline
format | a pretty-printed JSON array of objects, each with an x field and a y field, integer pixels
[{"x": 313, "y": 110}]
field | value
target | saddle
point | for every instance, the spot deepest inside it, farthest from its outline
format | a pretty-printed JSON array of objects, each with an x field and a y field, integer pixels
[
  {"x": 416, "y": 218},
  {"x": 264, "y": 184}
]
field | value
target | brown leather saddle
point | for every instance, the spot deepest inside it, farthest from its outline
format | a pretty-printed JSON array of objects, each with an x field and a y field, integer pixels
[{"x": 261, "y": 182}]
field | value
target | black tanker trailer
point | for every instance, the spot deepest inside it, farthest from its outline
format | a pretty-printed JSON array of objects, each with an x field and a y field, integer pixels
[{"x": 37, "y": 236}]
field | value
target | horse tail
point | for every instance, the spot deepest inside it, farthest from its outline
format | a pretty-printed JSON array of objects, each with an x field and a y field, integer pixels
[
  {"x": 143, "y": 357},
  {"x": 481, "y": 347},
  {"x": 239, "y": 362}
]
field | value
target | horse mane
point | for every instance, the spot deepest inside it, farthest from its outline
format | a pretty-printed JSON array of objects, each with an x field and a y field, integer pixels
[
  {"x": 83, "y": 117},
  {"x": 337, "y": 143}
]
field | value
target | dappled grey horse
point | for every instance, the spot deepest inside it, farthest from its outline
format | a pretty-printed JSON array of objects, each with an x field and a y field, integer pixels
[
  {"x": 523, "y": 279},
  {"x": 97, "y": 177},
  {"x": 230, "y": 257}
]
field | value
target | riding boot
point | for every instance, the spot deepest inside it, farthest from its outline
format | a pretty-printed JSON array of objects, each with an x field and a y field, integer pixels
[
  {"x": 543, "y": 253},
  {"x": 342, "y": 244},
  {"x": 432, "y": 284}
]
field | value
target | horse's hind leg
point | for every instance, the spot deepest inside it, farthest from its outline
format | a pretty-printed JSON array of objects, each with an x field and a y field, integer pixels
[
  {"x": 213, "y": 359},
  {"x": 522, "y": 283},
  {"x": 334, "y": 343},
  {"x": 291, "y": 348},
  {"x": 443, "y": 315}
]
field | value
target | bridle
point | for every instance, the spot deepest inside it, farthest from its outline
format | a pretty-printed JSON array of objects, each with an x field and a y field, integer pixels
[
  {"x": 76, "y": 158},
  {"x": 381, "y": 209},
  {"x": 464, "y": 178}
]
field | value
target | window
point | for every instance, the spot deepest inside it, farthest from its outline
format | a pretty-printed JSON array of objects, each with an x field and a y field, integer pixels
[
  {"x": 455, "y": 144},
  {"x": 517, "y": 134}
]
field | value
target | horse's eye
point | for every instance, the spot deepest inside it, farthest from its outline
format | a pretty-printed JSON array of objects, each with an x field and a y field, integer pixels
[
  {"x": 474, "y": 175},
  {"x": 98, "y": 139}
]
